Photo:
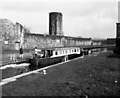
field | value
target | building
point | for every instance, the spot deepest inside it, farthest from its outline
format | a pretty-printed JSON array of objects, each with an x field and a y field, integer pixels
[
  {"x": 55, "y": 24},
  {"x": 111, "y": 41},
  {"x": 118, "y": 35},
  {"x": 118, "y": 27},
  {"x": 117, "y": 49}
]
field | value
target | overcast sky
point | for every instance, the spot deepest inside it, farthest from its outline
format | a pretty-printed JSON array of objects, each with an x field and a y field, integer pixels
[{"x": 86, "y": 19}]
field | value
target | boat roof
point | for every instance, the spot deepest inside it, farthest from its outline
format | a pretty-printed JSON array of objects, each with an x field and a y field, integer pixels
[{"x": 58, "y": 48}]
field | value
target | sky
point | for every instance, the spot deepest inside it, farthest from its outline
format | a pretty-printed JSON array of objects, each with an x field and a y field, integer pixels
[{"x": 81, "y": 18}]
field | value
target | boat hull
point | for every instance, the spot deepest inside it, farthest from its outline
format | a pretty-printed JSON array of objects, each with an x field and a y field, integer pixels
[{"x": 36, "y": 63}]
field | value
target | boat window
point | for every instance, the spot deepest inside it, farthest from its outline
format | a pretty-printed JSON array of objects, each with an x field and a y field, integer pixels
[
  {"x": 56, "y": 53},
  {"x": 77, "y": 50},
  {"x": 69, "y": 51},
  {"x": 74, "y": 50},
  {"x": 63, "y": 52},
  {"x": 50, "y": 52},
  {"x": 59, "y": 52},
  {"x": 66, "y": 51}
]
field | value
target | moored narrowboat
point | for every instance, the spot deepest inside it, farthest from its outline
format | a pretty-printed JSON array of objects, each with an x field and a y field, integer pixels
[{"x": 52, "y": 56}]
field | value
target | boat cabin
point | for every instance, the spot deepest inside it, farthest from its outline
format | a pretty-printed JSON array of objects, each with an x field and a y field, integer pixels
[{"x": 56, "y": 52}]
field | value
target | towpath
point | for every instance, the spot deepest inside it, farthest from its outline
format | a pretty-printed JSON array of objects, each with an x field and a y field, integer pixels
[{"x": 93, "y": 75}]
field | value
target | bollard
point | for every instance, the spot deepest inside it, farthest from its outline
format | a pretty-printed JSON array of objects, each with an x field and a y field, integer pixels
[
  {"x": 66, "y": 58},
  {"x": 44, "y": 72}
]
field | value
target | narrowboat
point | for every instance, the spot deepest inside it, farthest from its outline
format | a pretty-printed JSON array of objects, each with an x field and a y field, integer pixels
[{"x": 52, "y": 56}]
